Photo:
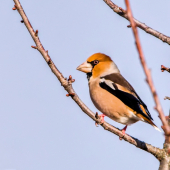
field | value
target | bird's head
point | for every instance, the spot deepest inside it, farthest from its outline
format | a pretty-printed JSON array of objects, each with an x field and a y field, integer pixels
[{"x": 99, "y": 65}]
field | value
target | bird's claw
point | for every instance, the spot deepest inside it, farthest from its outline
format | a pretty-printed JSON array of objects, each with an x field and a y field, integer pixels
[
  {"x": 123, "y": 131},
  {"x": 101, "y": 117}
]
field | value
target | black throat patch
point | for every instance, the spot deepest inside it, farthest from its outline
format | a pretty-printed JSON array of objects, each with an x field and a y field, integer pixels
[{"x": 89, "y": 75}]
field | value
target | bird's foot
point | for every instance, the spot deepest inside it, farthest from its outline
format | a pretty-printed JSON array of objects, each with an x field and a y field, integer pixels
[
  {"x": 101, "y": 117},
  {"x": 123, "y": 131}
]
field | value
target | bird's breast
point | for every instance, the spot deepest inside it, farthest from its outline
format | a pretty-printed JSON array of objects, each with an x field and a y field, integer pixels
[{"x": 110, "y": 105}]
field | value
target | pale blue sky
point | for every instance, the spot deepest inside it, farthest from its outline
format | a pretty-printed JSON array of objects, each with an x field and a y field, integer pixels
[{"x": 40, "y": 128}]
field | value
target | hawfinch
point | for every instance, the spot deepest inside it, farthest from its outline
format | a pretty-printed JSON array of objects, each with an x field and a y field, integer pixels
[{"x": 112, "y": 94}]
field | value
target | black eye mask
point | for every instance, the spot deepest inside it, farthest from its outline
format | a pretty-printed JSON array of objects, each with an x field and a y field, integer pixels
[{"x": 93, "y": 63}]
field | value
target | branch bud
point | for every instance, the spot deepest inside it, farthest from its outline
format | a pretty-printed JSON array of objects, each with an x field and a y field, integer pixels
[
  {"x": 35, "y": 47},
  {"x": 15, "y": 7},
  {"x": 70, "y": 94},
  {"x": 36, "y": 33}
]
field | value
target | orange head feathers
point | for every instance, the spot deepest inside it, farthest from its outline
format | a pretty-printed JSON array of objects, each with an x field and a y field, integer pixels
[{"x": 99, "y": 65}]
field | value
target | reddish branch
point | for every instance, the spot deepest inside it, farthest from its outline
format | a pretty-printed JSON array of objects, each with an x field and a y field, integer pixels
[
  {"x": 158, "y": 107},
  {"x": 163, "y": 68},
  {"x": 139, "y": 24},
  {"x": 67, "y": 84},
  {"x": 164, "y": 163}
]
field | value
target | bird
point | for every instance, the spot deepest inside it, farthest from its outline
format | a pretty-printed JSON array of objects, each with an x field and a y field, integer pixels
[{"x": 112, "y": 94}]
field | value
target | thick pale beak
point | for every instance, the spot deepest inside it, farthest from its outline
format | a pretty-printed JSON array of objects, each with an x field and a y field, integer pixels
[{"x": 85, "y": 67}]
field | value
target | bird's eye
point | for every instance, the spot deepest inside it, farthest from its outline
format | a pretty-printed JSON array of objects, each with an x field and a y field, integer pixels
[{"x": 95, "y": 62}]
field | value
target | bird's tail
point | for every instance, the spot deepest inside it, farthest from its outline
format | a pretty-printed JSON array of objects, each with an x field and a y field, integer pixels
[
  {"x": 155, "y": 127},
  {"x": 151, "y": 123},
  {"x": 147, "y": 120}
]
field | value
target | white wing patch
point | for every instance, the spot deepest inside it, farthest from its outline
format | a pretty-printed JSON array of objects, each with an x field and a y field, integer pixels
[{"x": 108, "y": 82}]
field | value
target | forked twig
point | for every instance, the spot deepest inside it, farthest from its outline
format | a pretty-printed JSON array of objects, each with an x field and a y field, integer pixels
[
  {"x": 163, "y": 68},
  {"x": 139, "y": 24}
]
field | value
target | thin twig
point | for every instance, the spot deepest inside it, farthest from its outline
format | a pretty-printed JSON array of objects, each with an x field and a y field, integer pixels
[
  {"x": 67, "y": 84},
  {"x": 139, "y": 24},
  {"x": 158, "y": 107},
  {"x": 163, "y": 68},
  {"x": 166, "y": 97}
]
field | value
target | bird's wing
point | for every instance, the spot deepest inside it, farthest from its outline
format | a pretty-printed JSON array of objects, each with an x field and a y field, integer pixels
[{"x": 117, "y": 85}]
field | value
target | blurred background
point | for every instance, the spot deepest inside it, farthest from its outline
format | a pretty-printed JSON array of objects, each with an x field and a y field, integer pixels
[{"x": 40, "y": 128}]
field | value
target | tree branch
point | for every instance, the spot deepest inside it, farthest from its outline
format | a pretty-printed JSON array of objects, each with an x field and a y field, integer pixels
[
  {"x": 67, "y": 84},
  {"x": 166, "y": 97},
  {"x": 163, "y": 68},
  {"x": 164, "y": 162},
  {"x": 143, "y": 26},
  {"x": 158, "y": 107}
]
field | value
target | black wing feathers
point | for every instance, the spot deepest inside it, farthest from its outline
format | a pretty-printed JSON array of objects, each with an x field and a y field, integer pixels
[{"x": 127, "y": 98}]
